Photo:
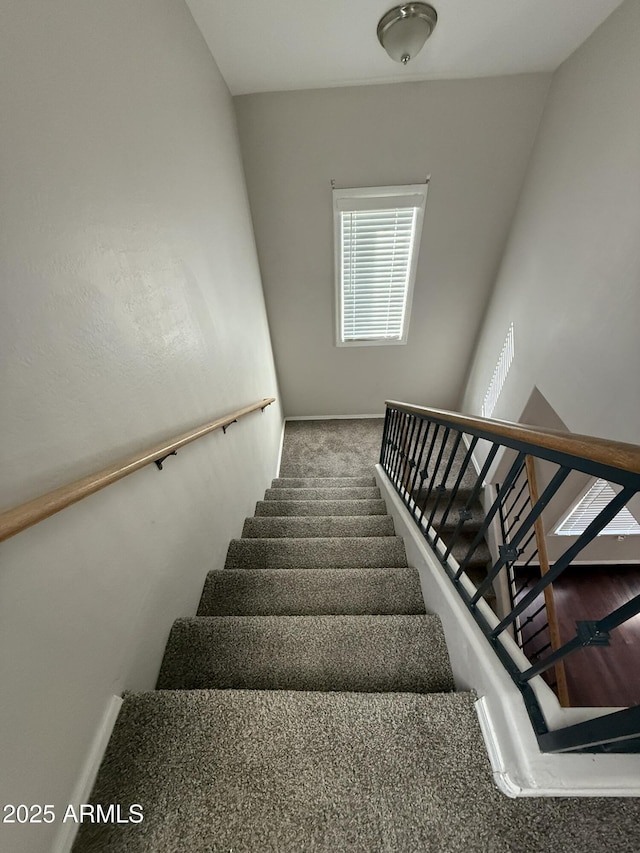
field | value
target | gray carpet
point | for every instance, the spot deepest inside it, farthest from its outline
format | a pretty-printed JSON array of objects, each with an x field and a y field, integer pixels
[
  {"x": 321, "y": 482},
  {"x": 361, "y": 653},
  {"x": 331, "y": 448},
  {"x": 311, "y": 592},
  {"x": 323, "y": 494},
  {"x": 299, "y": 507},
  {"x": 347, "y": 552},
  {"x": 252, "y": 771},
  {"x": 321, "y": 526}
]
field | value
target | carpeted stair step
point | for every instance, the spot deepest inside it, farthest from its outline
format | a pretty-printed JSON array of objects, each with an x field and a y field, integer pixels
[
  {"x": 462, "y": 497},
  {"x": 310, "y": 592},
  {"x": 322, "y": 482},
  {"x": 477, "y": 576},
  {"x": 317, "y": 494},
  {"x": 480, "y": 556},
  {"x": 472, "y": 524},
  {"x": 314, "y": 526},
  {"x": 359, "y": 653},
  {"x": 221, "y": 770},
  {"x": 302, "y": 507},
  {"x": 353, "y": 552}
]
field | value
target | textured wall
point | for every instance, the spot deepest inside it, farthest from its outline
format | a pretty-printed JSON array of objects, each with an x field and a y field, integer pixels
[
  {"x": 570, "y": 277},
  {"x": 131, "y": 308},
  {"x": 473, "y": 137}
]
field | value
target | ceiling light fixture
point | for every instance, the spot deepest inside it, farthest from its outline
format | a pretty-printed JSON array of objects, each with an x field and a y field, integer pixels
[{"x": 404, "y": 29}]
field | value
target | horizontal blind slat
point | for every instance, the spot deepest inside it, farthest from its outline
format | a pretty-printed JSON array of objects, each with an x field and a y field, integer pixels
[{"x": 376, "y": 258}]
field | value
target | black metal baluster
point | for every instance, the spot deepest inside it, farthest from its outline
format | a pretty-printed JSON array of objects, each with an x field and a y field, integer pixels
[
  {"x": 443, "y": 444},
  {"x": 384, "y": 453},
  {"x": 589, "y": 633},
  {"x": 514, "y": 471},
  {"x": 398, "y": 470},
  {"x": 541, "y": 649},
  {"x": 456, "y": 485},
  {"x": 396, "y": 445},
  {"x": 507, "y": 551},
  {"x": 407, "y": 455},
  {"x": 417, "y": 460},
  {"x": 465, "y": 512},
  {"x": 385, "y": 434},
  {"x": 507, "y": 512},
  {"x": 612, "y": 728},
  {"x": 601, "y": 520},
  {"x": 545, "y": 627},
  {"x": 424, "y": 473},
  {"x": 521, "y": 509},
  {"x": 392, "y": 439},
  {"x": 443, "y": 485}
]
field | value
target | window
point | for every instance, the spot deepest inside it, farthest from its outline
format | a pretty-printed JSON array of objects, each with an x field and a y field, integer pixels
[
  {"x": 588, "y": 507},
  {"x": 500, "y": 373},
  {"x": 377, "y": 237}
]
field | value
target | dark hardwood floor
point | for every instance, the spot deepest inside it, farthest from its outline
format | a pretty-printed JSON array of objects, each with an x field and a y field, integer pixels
[{"x": 596, "y": 676}]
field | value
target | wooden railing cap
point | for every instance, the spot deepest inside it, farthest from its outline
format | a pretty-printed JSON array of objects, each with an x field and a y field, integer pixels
[{"x": 600, "y": 450}]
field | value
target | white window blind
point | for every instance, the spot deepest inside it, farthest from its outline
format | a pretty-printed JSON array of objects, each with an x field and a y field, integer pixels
[
  {"x": 499, "y": 376},
  {"x": 587, "y": 509},
  {"x": 377, "y": 237}
]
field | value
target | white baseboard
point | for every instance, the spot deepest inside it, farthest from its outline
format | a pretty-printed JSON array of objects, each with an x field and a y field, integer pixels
[
  {"x": 332, "y": 417},
  {"x": 281, "y": 449},
  {"x": 66, "y": 836},
  {"x": 492, "y": 742}
]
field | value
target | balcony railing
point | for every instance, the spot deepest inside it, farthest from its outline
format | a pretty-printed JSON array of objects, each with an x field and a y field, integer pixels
[{"x": 439, "y": 463}]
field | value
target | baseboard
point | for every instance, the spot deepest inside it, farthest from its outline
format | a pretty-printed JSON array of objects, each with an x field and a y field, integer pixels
[
  {"x": 332, "y": 417},
  {"x": 281, "y": 449},
  {"x": 66, "y": 836},
  {"x": 492, "y": 742}
]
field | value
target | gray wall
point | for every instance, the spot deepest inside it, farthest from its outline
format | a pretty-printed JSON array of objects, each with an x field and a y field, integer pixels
[
  {"x": 131, "y": 308},
  {"x": 473, "y": 137},
  {"x": 570, "y": 277}
]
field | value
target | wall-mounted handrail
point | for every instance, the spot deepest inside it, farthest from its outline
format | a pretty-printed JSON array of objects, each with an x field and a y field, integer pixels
[
  {"x": 584, "y": 447},
  {"x": 428, "y": 457},
  {"x": 25, "y": 515}
]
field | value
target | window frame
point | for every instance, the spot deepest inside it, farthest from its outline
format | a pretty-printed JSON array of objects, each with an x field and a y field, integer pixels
[
  {"x": 342, "y": 199},
  {"x": 575, "y": 504}
]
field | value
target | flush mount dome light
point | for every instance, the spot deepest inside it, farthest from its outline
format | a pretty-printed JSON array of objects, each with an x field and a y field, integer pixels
[{"x": 403, "y": 30}]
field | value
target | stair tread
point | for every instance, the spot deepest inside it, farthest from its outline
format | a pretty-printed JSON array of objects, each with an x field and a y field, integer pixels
[
  {"x": 319, "y": 552},
  {"x": 322, "y": 482},
  {"x": 240, "y": 771},
  {"x": 312, "y": 494},
  {"x": 326, "y": 526},
  {"x": 321, "y": 507},
  {"x": 357, "y": 653},
  {"x": 479, "y": 558},
  {"x": 311, "y": 592}
]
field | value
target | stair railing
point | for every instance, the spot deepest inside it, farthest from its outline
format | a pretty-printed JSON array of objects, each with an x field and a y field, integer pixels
[
  {"x": 25, "y": 515},
  {"x": 438, "y": 462},
  {"x": 537, "y": 628}
]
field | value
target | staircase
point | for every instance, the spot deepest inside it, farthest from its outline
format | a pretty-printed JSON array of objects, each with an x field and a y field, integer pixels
[
  {"x": 294, "y": 711},
  {"x": 309, "y": 705}
]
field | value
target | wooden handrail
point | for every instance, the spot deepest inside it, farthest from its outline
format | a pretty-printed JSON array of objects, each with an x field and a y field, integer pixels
[
  {"x": 600, "y": 450},
  {"x": 15, "y": 520}
]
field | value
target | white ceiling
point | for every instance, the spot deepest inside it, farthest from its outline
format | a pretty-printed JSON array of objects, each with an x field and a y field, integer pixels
[{"x": 275, "y": 45}]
